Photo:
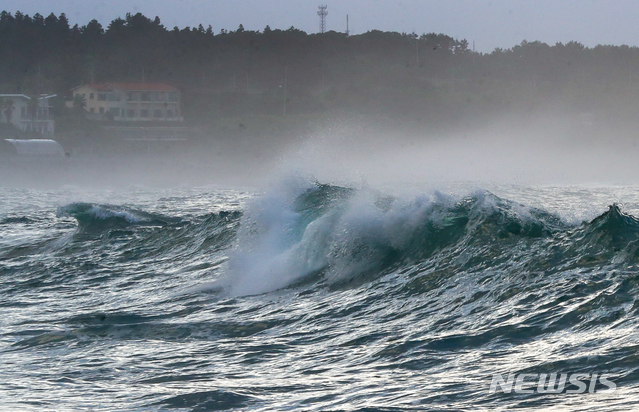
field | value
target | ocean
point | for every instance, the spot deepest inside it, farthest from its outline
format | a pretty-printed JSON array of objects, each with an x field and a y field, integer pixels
[{"x": 318, "y": 296}]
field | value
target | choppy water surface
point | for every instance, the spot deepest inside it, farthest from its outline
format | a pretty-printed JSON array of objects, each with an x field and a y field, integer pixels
[{"x": 312, "y": 296}]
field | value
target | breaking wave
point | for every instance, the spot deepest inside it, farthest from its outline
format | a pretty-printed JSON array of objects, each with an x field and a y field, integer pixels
[{"x": 340, "y": 234}]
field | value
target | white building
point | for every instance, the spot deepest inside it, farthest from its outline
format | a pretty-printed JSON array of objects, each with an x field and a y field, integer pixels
[
  {"x": 27, "y": 114},
  {"x": 131, "y": 101}
]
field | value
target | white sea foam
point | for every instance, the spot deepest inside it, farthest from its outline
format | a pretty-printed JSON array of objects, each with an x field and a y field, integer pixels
[
  {"x": 275, "y": 248},
  {"x": 105, "y": 213}
]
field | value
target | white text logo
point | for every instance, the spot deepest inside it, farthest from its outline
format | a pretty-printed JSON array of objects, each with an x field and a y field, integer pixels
[{"x": 548, "y": 383}]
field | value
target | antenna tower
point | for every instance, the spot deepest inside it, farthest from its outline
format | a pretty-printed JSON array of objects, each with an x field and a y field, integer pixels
[{"x": 322, "y": 15}]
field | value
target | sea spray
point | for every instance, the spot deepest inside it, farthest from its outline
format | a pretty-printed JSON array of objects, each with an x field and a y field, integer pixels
[{"x": 341, "y": 233}]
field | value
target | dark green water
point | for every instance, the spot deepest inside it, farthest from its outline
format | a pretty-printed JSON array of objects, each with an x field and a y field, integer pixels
[{"x": 315, "y": 297}]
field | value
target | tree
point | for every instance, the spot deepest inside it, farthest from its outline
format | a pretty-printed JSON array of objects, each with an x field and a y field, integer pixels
[
  {"x": 93, "y": 30},
  {"x": 8, "y": 108},
  {"x": 79, "y": 104}
]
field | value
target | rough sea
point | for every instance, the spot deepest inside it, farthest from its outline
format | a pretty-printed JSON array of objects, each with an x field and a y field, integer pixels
[{"x": 317, "y": 296}]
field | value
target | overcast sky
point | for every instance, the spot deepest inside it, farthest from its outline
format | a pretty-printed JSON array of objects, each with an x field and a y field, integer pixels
[{"x": 488, "y": 23}]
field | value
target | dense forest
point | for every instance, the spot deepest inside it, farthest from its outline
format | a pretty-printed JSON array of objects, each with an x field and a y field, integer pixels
[{"x": 428, "y": 77}]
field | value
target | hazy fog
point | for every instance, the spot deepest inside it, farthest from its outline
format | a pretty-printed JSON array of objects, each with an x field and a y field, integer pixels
[{"x": 533, "y": 149}]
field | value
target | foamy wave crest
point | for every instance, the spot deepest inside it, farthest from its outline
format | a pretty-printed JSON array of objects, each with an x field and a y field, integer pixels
[
  {"x": 306, "y": 229},
  {"x": 96, "y": 217}
]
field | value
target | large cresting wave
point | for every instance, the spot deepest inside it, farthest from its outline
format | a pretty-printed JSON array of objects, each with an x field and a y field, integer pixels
[{"x": 339, "y": 234}]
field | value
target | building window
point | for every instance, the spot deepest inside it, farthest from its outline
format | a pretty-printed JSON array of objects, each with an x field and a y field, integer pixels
[
  {"x": 92, "y": 96},
  {"x": 102, "y": 110},
  {"x": 102, "y": 97},
  {"x": 133, "y": 96},
  {"x": 145, "y": 97},
  {"x": 144, "y": 113},
  {"x": 115, "y": 111},
  {"x": 130, "y": 113},
  {"x": 173, "y": 97}
]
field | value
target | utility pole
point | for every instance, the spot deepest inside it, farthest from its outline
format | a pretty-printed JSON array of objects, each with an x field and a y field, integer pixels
[
  {"x": 285, "y": 80},
  {"x": 347, "y": 31},
  {"x": 39, "y": 80},
  {"x": 473, "y": 52},
  {"x": 322, "y": 15}
]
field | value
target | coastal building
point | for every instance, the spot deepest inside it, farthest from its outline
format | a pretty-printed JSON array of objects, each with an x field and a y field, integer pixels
[
  {"x": 130, "y": 101},
  {"x": 30, "y": 114}
]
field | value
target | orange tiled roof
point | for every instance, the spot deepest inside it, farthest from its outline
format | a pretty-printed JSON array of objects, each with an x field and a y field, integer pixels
[{"x": 156, "y": 87}]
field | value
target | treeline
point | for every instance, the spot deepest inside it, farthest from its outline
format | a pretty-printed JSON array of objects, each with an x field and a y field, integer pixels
[{"x": 237, "y": 72}]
